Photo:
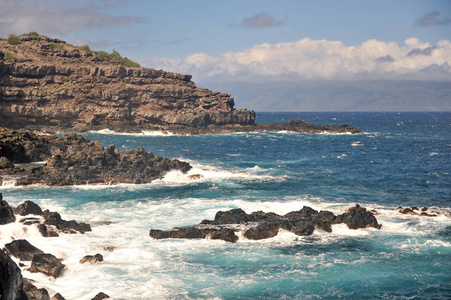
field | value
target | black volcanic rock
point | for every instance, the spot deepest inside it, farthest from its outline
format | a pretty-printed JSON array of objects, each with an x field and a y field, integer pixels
[
  {"x": 28, "y": 208},
  {"x": 74, "y": 159},
  {"x": 11, "y": 281},
  {"x": 47, "y": 264},
  {"x": 22, "y": 249},
  {"x": 260, "y": 225},
  {"x": 6, "y": 212}
]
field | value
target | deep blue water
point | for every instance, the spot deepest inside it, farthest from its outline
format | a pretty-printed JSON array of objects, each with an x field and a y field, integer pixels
[{"x": 402, "y": 159}]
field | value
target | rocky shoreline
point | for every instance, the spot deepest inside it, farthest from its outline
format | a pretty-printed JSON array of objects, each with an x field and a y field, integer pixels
[
  {"x": 30, "y": 158},
  {"x": 230, "y": 226}
]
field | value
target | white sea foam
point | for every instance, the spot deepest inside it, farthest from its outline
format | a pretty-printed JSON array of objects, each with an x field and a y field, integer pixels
[{"x": 142, "y": 133}]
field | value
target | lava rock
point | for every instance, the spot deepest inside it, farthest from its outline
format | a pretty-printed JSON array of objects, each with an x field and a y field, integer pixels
[
  {"x": 58, "y": 296},
  {"x": 47, "y": 231},
  {"x": 6, "y": 212},
  {"x": 357, "y": 217},
  {"x": 38, "y": 294},
  {"x": 92, "y": 258},
  {"x": 22, "y": 249},
  {"x": 47, "y": 264},
  {"x": 101, "y": 296},
  {"x": 28, "y": 208},
  {"x": 54, "y": 218},
  {"x": 11, "y": 281}
]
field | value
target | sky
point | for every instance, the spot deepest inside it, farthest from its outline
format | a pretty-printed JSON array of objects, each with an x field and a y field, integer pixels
[{"x": 293, "y": 48}]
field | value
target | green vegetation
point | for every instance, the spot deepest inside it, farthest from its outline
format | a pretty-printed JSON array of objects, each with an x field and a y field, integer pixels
[
  {"x": 9, "y": 57},
  {"x": 14, "y": 39},
  {"x": 84, "y": 48},
  {"x": 36, "y": 40},
  {"x": 130, "y": 63},
  {"x": 53, "y": 46},
  {"x": 115, "y": 55},
  {"x": 33, "y": 33},
  {"x": 122, "y": 83},
  {"x": 102, "y": 55},
  {"x": 124, "y": 61}
]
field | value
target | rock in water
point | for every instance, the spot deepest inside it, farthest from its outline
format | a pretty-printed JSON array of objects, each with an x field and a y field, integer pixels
[
  {"x": 29, "y": 208},
  {"x": 92, "y": 258},
  {"x": 47, "y": 264},
  {"x": 11, "y": 281},
  {"x": 22, "y": 249},
  {"x": 101, "y": 296},
  {"x": 259, "y": 225},
  {"x": 38, "y": 294},
  {"x": 6, "y": 212}
]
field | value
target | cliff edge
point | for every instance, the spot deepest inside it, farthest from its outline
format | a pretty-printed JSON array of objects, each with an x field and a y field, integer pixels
[{"x": 49, "y": 85}]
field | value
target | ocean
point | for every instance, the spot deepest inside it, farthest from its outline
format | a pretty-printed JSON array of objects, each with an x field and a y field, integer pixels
[{"x": 402, "y": 159}]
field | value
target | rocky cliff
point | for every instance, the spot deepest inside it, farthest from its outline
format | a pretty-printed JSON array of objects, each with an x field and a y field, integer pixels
[{"x": 47, "y": 84}]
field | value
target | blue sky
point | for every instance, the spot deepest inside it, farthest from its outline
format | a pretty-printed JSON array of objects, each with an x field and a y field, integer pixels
[{"x": 247, "y": 40}]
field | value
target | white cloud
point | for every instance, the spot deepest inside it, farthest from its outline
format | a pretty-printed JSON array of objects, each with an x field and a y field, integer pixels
[
  {"x": 57, "y": 17},
  {"x": 319, "y": 59}
]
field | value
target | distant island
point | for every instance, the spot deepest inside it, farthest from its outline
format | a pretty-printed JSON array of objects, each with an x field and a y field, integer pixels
[{"x": 51, "y": 86}]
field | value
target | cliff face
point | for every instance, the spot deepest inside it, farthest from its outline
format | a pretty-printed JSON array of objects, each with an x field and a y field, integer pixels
[{"x": 48, "y": 84}]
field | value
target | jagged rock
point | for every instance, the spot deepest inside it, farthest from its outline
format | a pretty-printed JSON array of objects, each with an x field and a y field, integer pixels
[
  {"x": 92, "y": 259},
  {"x": 38, "y": 294},
  {"x": 47, "y": 264},
  {"x": 425, "y": 212},
  {"x": 260, "y": 225},
  {"x": 11, "y": 281},
  {"x": 101, "y": 296},
  {"x": 47, "y": 231},
  {"x": 6, "y": 212},
  {"x": 28, "y": 285},
  {"x": 5, "y": 163},
  {"x": 28, "y": 208},
  {"x": 58, "y": 296},
  {"x": 54, "y": 218},
  {"x": 358, "y": 217},
  {"x": 30, "y": 221},
  {"x": 22, "y": 249},
  {"x": 74, "y": 159}
]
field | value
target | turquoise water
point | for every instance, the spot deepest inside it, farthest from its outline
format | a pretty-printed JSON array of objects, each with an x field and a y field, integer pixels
[{"x": 402, "y": 159}]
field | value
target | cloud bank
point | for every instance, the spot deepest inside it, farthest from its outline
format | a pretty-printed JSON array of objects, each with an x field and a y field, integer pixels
[
  {"x": 57, "y": 17},
  {"x": 309, "y": 59}
]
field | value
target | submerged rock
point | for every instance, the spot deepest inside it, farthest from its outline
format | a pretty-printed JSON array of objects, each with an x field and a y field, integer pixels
[
  {"x": 38, "y": 294},
  {"x": 259, "y": 225}
]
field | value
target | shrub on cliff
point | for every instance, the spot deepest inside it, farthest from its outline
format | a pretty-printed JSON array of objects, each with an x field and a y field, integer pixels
[
  {"x": 102, "y": 55},
  {"x": 130, "y": 63},
  {"x": 14, "y": 39},
  {"x": 115, "y": 55},
  {"x": 84, "y": 48}
]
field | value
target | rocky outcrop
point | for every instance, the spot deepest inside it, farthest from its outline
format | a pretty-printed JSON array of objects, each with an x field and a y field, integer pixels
[
  {"x": 260, "y": 225},
  {"x": 49, "y": 85},
  {"x": 74, "y": 159},
  {"x": 11, "y": 281}
]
